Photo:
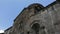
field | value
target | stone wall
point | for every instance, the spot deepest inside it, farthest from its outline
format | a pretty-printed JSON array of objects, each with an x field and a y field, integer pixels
[{"x": 37, "y": 19}]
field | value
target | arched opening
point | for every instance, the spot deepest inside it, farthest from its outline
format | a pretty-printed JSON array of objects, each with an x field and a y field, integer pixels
[{"x": 36, "y": 28}]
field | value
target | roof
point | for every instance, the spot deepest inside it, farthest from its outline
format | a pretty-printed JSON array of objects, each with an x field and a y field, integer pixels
[
  {"x": 34, "y": 5},
  {"x": 8, "y": 28}
]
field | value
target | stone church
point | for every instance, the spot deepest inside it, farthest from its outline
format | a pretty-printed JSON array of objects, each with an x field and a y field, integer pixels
[{"x": 37, "y": 19}]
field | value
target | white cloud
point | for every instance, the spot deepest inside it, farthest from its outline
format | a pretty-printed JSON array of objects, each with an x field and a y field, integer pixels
[{"x": 1, "y": 31}]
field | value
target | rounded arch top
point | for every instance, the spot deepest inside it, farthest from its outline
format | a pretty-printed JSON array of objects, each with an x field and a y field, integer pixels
[
  {"x": 34, "y": 22},
  {"x": 35, "y": 5}
]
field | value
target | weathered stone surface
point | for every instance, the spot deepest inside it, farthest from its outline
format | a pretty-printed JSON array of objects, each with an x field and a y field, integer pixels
[{"x": 36, "y": 19}]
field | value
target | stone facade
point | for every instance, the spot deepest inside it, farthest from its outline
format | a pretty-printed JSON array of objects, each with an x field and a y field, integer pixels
[
  {"x": 37, "y": 19},
  {"x": 8, "y": 31}
]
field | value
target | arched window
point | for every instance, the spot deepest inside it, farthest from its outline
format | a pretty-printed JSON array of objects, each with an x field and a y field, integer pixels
[{"x": 36, "y": 27}]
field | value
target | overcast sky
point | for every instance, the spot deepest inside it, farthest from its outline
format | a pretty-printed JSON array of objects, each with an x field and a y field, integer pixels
[{"x": 9, "y": 9}]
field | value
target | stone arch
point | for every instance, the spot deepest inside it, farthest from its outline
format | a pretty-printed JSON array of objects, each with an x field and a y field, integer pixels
[
  {"x": 34, "y": 22},
  {"x": 37, "y": 29},
  {"x": 35, "y": 26},
  {"x": 35, "y": 5}
]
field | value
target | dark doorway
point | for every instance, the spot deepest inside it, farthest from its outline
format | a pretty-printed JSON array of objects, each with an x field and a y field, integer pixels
[{"x": 36, "y": 27}]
